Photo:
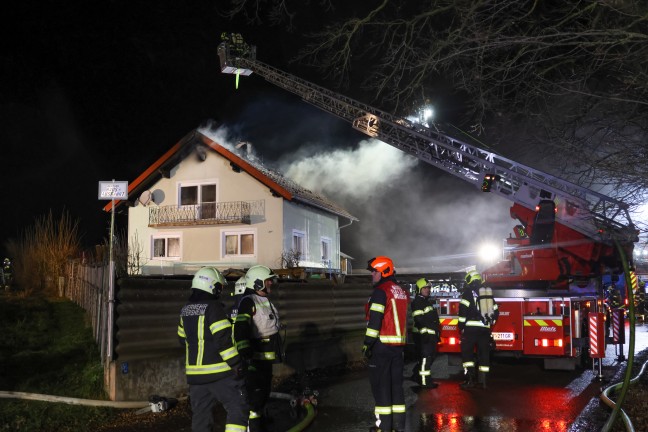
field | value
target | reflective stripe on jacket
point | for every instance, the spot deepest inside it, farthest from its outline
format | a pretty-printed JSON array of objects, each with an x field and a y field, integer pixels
[
  {"x": 425, "y": 316},
  {"x": 207, "y": 333},
  {"x": 469, "y": 313},
  {"x": 387, "y": 314},
  {"x": 256, "y": 329}
]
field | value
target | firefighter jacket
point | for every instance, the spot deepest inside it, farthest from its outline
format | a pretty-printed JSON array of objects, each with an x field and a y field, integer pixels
[
  {"x": 425, "y": 316},
  {"x": 206, "y": 332},
  {"x": 387, "y": 314},
  {"x": 256, "y": 329},
  {"x": 470, "y": 314}
]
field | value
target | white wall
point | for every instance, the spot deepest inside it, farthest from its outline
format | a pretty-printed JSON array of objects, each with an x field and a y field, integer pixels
[
  {"x": 201, "y": 245},
  {"x": 316, "y": 224}
]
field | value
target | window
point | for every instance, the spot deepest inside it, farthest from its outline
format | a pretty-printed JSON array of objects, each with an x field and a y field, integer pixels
[
  {"x": 238, "y": 243},
  {"x": 299, "y": 243},
  {"x": 326, "y": 251},
  {"x": 166, "y": 247},
  {"x": 202, "y": 196}
]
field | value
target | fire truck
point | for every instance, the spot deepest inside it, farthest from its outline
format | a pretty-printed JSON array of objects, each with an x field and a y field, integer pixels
[{"x": 566, "y": 237}]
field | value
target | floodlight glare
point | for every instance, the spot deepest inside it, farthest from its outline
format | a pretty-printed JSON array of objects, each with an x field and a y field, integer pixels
[{"x": 488, "y": 252}]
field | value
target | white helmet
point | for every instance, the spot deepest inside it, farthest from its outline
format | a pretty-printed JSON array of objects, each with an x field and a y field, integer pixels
[
  {"x": 256, "y": 276},
  {"x": 239, "y": 286},
  {"x": 210, "y": 280}
]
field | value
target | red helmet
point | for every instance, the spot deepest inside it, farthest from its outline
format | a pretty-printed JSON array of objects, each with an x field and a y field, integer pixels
[{"x": 382, "y": 264}]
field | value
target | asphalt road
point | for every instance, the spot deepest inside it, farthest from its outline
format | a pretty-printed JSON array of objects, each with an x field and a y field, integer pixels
[{"x": 521, "y": 396}]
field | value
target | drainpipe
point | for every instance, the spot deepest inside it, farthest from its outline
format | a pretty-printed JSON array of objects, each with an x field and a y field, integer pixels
[{"x": 339, "y": 244}]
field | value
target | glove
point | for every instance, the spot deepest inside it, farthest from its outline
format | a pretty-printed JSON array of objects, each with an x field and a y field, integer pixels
[
  {"x": 239, "y": 371},
  {"x": 366, "y": 351},
  {"x": 246, "y": 354}
]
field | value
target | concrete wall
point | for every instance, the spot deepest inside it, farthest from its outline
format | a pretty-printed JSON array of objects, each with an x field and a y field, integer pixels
[{"x": 324, "y": 327}]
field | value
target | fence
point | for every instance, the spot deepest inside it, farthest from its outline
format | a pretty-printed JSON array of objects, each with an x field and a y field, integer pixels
[
  {"x": 325, "y": 326},
  {"x": 87, "y": 286}
]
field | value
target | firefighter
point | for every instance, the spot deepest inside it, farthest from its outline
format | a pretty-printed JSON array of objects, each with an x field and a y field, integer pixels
[
  {"x": 213, "y": 366},
  {"x": 384, "y": 344},
  {"x": 256, "y": 333},
  {"x": 477, "y": 312},
  {"x": 7, "y": 273},
  {"x": 425, "y": 331}
]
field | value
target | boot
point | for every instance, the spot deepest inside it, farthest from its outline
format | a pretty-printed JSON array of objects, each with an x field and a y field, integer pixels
[
  {"x": 469, "y": 382},
  {"x": 482, "y": 379}
]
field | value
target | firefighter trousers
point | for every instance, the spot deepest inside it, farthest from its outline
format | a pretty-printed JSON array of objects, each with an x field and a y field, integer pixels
[
  {"x": 426, "y": 350},
  {"x": 230, "y": 393},
  {"x": 475, "y": 337},
  {"x": 258, "y": 382},
  {"x": 386, "y": 377}
]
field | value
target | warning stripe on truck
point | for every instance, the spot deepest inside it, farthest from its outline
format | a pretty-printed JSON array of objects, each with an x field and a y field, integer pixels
[
  {"x": 542, "y": 323},
  {"x": 448, "y": 321}
]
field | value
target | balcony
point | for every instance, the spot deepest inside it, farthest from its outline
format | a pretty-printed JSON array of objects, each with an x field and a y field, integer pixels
[{"x": 233, "y": 212}]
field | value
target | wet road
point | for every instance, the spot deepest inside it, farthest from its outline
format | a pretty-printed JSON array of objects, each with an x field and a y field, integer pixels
[{"x": 522, "y": 396}]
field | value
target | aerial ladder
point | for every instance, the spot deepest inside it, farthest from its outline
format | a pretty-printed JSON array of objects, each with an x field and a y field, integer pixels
[{"x": 565, "y": 232}]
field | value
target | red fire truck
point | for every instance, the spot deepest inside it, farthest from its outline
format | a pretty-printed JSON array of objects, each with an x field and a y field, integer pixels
[{"x": 566, "y": 237}]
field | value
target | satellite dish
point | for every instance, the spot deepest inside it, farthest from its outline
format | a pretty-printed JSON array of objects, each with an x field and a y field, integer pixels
[{"x": 145, "y": 198}]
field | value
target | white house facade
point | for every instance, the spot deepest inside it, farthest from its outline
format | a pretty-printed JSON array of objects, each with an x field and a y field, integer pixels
[{"x": 203, "y": 204}]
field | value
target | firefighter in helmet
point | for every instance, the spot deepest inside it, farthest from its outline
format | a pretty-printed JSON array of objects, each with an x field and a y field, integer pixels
[
  {"x": 426, "y": 331},
  {"x": 256, "y": 333},
  {"x": 213, "y": 366},
  {"x": 384, "y": 344},
  {"x": 477, "y": 313}
]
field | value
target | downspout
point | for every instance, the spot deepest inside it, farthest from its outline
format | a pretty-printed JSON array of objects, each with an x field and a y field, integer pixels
[{"x": 339, "y": 243}]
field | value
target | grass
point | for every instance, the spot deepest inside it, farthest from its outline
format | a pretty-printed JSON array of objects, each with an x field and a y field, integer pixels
[{"x": 47, "y": 348}]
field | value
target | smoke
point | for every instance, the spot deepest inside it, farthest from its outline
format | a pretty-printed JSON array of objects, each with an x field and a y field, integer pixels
[
  {"x": 408, "y": 210},
  {"x": 423, "y": 218}
]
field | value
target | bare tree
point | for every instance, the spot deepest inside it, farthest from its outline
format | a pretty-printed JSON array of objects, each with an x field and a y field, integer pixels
[
  {"x": 290, "y": 259},
  {"x": 136, "y": 256},
  {"x": 43, "y": 249},
  {"x": 564, "y": 81}
]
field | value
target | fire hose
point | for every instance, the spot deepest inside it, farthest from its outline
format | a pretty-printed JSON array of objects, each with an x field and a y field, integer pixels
[
  {"x": 155, "y": 404},
  {"x": 609, "y": 402},
  {"x": 73, "y": 401}
]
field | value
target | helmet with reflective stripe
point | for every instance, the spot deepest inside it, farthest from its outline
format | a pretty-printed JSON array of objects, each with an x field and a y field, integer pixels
[
  {"x": 257, "y": 275},
  {"x": 473, "y": 276},
  {"x": 210, "y": 280},
  {"x": 381, "y": 264},
  {"x": 422, "y": 283}
]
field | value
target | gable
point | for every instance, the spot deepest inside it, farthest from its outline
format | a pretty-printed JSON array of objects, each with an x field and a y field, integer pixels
[{"x": 195, "y": 143}]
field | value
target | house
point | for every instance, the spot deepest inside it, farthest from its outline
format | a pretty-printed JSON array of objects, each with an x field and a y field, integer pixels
[{"x": 204, "y": 204}]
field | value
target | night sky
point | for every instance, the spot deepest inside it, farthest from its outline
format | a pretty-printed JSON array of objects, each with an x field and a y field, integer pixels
[{"x": 94, "y": 91}]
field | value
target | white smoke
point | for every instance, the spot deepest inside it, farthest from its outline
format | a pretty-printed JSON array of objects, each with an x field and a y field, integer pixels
[
  {"x": 424, "y": 219},
  {"x": 349, "y": 173},
  {"x": 408, "y": 210}
]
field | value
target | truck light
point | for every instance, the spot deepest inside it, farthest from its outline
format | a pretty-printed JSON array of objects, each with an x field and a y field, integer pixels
[
  {"x": 452, "y": 340},
  {"x": 547, "y": 343}
]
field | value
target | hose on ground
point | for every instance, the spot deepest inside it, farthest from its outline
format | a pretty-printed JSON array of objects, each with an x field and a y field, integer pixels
[
  {"x": 306, "y": 402},
  {"x": 73, "y": 401},
  {"x": 609, "y": 402},
  {"x": 303, "y": 424}
]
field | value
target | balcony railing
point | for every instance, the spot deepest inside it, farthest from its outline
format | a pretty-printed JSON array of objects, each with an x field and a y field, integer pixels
[{"x": 233, "y": 212}]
